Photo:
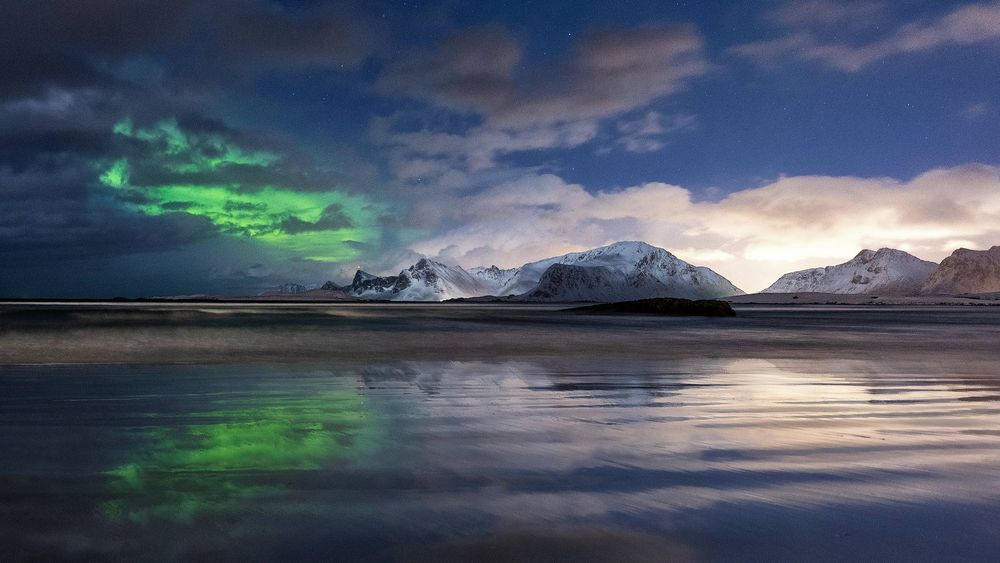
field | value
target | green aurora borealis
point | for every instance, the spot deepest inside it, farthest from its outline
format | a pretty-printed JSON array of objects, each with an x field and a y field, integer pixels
[{"x": 241, "y": 191}]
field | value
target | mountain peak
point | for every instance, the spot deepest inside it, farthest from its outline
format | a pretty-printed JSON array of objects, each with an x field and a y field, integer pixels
[
  {"x": 427, "y": 264},
  {"x": 888, "y": 271},
  {"x": 864, "y": 256},
  {"x": 886, "y": 251},
  {"x": 630, "y": 244},
  {"x": 636, "y": 246},
  {"x": 361, "y": 276}
]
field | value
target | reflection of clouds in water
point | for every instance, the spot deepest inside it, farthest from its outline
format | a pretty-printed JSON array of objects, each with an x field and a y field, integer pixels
[
  {"x": 668, "y": 437},
  {"x": 702, "y": 458}
]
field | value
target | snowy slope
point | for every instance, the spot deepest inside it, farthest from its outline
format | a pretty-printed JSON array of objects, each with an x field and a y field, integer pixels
[
  {"x": 966, "y": 271},
  {"x": 561, "y": 282},
  {"x": 426, "y": 280},
  {"x": 886, "y": 271},
  {"x": 368, "y": 286},
  {"x": 290, "y": 288},
  {"x": 624, "y": 270},
  {"x": 495, "y": 279},
  {"x": 661, "y": 273}
]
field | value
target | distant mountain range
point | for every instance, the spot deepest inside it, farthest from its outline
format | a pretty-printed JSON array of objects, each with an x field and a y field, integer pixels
[
  {"x": 617, "y": 272},
  {"x": 632, "y": 270}
]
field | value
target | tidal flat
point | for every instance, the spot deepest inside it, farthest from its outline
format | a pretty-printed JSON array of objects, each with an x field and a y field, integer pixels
[{"x": 496, "y": 432}]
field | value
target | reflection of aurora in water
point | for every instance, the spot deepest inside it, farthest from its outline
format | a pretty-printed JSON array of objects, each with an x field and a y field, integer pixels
[{"x": 236, "y": 456}]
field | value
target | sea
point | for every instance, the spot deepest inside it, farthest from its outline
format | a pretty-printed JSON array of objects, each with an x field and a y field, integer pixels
[{"x": 482, "y": 432}]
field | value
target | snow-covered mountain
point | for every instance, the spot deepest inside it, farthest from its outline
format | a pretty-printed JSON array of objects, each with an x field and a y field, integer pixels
[
  {"x": 368, "y": 286},
  {"x": 291, "y": 288},
  {"x": 494, "y": 278},
  {"x": 886, "y": 271},
  {"x": 617, "y": 272},
  {"x": 966, "y": 271},
  {"x": 297, "y": 292},
  {"x": 561, "y": 282},
  {"x": 426, "y": 280},
  {"x": 647, "y": 271}
]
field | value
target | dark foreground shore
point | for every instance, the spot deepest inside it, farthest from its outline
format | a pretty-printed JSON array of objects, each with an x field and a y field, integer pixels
[{"x": 214, "y": 332}]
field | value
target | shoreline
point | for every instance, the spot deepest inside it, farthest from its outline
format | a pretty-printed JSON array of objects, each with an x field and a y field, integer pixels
[{"x": 792, "y": 299}]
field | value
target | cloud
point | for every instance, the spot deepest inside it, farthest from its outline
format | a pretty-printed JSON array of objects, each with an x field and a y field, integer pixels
[
  {"x": 167, "y": 184},
  {"x": 649, "y": 132},
  {"x": 825, "y": 13},
  {"x": 51, "y": 213},
  {"x": 607, "y": 72},
  {"x": 333, "y": 218},
  {"x": 72, "y": 71},
  {"x": 58, "y": 232},
  {"x": 751, "y": 236},
  {"x": 70, "y": 75},
  {"x": 58, "y": 121},
  {"x": 74, "y": 44},
  {"x": 966, "y": 25},
  {"x": 510, "y": 108},
  {"x": 270, "y": 36},
  {"x": 421, "y": 152},
  {"x": 468, "y": 71}
]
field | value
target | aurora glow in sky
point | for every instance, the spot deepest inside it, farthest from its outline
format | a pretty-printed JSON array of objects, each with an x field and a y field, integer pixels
[
  {"x": 187, "y": 173},
  {"x": 151, "y": 148}
]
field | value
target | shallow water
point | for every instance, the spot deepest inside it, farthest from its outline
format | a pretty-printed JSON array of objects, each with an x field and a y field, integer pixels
[{"x": 783, "y": 434}]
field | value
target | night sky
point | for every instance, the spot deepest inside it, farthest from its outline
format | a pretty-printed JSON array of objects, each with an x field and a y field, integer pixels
[{"x": 179, "y": 147}]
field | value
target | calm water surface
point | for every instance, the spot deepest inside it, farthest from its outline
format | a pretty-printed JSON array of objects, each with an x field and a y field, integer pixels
[{"x": 805, "y": 434}]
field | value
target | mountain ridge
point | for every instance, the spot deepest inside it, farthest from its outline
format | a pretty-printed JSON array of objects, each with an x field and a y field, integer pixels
[
  {"x": 886, "y": 270},
  {"x": 618, "y": 271},
  {"x": 966, "y": 271}
]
